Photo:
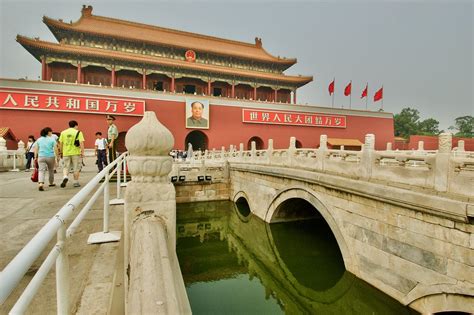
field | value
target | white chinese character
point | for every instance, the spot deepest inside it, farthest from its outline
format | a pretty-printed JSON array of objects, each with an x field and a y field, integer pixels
[
  {"x": 129, "y": 107},
  {"x": 318, "y": 120},
  {"x": 287, "y": 118},
  {"x": 10, "y": 99},
  {"x": 73, "y": 103},
  {"x": 110, "y": 104},
  {"x": 298, "y": 119},
  {"x": 253, "y": 115},
  {"x": 265, "y": 116},
  {"x": 308, "y": 119},
  {"x": 276, "y": 118},
  {"x": 92, "y": 104},
  {"x": 338, "y": 121},
  {"x": 328, "y": 121},
  {"x": 31, "y": 101},
  {"x": 52, "y": 101}
]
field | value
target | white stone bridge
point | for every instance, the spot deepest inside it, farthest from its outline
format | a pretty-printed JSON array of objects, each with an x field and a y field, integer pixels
[{"x": 402, "y": 219}]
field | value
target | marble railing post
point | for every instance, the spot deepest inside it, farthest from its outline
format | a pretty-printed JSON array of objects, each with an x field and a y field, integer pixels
[
  {"x": 253, "y": 151},
  {"x": 368, "y": 156},
  {"x": 421, "y": 145},
  {"x": 241, "y": 150},
  {"x": 389, "y": 146},
  {"x": 150, "y": 223},
  {"x": 222, "y": 153},
  {"x": 321, "y": 152},
  {"x": 270, "y": 151},
  {"x": 3, "y": 152},
  {"x": 291, "y": 151},
  {"x": 461, "y": 146},
  {"x": 442, "y": 161},
  {"x": 20, "y": 154}
]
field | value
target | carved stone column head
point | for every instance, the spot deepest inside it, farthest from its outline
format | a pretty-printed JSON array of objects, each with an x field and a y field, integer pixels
[
  {"x": 149, "y": 144},
  {"x": 3, "y": 144},
  {"x": 445, "y": 142},
  {"x": 292, "y": 143},
  {"x": 21, "y": 146},
  {"x": 461, "y": 147},
  {"x": 369, "y": 143},
  {"x": 323, "y": 142},
  {"x": 270, "y": 144}
]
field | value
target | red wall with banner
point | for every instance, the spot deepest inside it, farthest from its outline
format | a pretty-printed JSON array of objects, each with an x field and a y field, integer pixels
[{"x": 227, "y": 124}]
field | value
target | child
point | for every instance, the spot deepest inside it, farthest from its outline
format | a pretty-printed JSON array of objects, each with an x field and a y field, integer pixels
[{"x": 101, "y": 150}]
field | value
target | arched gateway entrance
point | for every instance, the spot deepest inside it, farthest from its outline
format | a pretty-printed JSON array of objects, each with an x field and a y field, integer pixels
[{"x": 198, "y": 140}]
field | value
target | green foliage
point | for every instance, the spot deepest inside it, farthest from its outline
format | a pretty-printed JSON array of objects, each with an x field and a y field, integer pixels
[
  {"x": 465, "y": 126},
  {"x": 408, "y": 123}
]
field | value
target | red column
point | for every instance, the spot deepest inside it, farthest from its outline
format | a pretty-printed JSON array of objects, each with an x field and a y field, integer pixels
[
  {"x": 254, "y": 93},
  {"x": 144, "y": 79},
  {"x": 276, "y": 95},
  {"x": 209, "y": 87},
  {"x": 233, "y": 90},
  {"x": 112, "y": 80},
  {"x": 43, "y": 68},
  {"x": 294, "y": 96},
  {"x": 48, "y": 72},
  {"x": 79, "y": 73},
  {"x": 172, "y": 85}
]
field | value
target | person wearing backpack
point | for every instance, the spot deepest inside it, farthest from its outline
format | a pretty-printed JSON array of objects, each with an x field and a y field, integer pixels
[
  {"x": 71, "y": 147},
  {"x": 101, "y": 150}
]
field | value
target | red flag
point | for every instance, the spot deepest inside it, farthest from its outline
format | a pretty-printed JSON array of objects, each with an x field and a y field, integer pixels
[
  {"x": 378, "y": 95},
  {"x": 364, "y": 92},
  {"x": 331, "y": 87},
  {"x": 347, "y": 90}
]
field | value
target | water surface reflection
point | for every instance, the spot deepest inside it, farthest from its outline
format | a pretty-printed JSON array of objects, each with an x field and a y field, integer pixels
[{"x": 233, "y": 263}]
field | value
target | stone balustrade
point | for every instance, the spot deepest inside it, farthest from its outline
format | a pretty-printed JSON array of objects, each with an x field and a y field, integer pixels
[
  {"x": 12, "y": 159},
  {"x": 443, "y": 170}
]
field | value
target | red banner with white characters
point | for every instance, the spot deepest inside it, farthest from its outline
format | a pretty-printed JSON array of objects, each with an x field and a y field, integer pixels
[
  {"x": 78, "y": 103},
  {"x": 258, "y": 116}
]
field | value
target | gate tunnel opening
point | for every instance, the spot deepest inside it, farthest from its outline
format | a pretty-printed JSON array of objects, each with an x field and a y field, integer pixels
[
  {"x": 198, "y": 140},
  {"x": 306, "y": 245}
]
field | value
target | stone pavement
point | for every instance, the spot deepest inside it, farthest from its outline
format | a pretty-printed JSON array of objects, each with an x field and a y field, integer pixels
[{"x": 23, "y": 212}]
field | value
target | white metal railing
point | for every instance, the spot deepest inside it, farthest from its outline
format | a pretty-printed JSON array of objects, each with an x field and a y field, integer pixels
[{"x": 13, "y": 273}]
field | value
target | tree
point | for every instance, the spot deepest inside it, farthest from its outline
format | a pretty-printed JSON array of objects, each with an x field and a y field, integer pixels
[
  {"x": 406, "y": 123},
  {"x": 428, "y": 127},
  {"x": 465, "y": 126}
]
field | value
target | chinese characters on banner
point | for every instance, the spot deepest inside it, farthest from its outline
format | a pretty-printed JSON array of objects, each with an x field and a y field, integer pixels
[
  {"x": 258, "y": 116},
  {"x": 12, "y": 99}
]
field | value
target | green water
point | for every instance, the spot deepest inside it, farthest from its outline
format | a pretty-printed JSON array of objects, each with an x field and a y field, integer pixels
[{"x": 233, "y": 264}]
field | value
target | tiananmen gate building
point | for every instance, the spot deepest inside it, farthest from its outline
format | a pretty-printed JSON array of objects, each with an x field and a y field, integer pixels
[{"x": 103, "y": 65}]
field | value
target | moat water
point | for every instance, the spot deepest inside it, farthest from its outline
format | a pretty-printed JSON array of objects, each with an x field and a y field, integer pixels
[{"x": 237, "y": 264}]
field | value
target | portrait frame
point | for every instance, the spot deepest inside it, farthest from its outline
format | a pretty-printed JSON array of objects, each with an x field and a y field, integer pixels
[{"x": 191, "y": 120}]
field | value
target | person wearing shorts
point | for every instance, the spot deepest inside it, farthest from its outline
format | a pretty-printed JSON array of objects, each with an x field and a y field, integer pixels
[{"x": 71, "y": 153}]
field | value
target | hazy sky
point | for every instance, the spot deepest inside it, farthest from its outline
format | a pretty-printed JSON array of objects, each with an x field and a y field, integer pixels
[{"x": 420, "y": 51}]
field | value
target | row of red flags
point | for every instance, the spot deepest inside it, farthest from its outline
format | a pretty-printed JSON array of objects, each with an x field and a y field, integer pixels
[{"x": 348, "y": 90}]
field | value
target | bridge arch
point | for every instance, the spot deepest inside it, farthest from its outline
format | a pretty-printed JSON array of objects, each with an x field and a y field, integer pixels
[
  {"x": 311, "y": 197},
  {"x": 446, "y": 300}
]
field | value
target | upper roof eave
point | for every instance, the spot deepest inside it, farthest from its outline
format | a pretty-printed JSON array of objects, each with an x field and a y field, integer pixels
[
  {"x": 85, "y": 24},
  {"x": 44, "y": 45}
]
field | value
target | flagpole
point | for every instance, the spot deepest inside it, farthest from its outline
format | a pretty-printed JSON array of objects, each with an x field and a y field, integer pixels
[
  {"x": 367, "y": 96},
  {"x": 382, "y": 97},
  {"x": 334, "y": 88},
  {"x": 350, "y": 96}
]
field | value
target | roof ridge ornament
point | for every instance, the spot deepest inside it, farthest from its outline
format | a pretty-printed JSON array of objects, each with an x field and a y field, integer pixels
[
  {"x": 258, "y": 42},
  {"x": 86, "y": 10}
]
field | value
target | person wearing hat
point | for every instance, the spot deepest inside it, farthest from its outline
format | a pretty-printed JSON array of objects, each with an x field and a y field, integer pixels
[{"x": 112, "y": 135}]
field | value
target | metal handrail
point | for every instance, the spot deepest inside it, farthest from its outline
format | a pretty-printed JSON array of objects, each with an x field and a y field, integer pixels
[{"x": 13, "y": 273}]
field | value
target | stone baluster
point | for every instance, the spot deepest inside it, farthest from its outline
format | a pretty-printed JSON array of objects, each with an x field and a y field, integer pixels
[
  {"x": 389, "y": 146},
  {"x": 442, "y": 161},
  {"x": 222, "y": 153},
  {"x": 253, "y": 150},
  {"x": 241, "y": 150},
  {"x": 152, "y": 270},
  {"x": 214, "y": 153},
  {"x": 291, "y": 151},
  {"x": 20, "y": 154},
  {"x": 321, "y": 152},
  {"x": 368, "y": 156},
  {"x": 461, "y": 147},
  {"x": 421, "y": 145},
  {"x": 3, "y": 152},
  {"x": 270, "y": 151},
  {"x": 3, "y": 144}
]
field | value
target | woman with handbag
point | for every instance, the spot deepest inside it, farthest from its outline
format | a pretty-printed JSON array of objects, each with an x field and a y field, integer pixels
[
  {"x": 30, "y": 152},
  {"x": 46, "y": 152}
]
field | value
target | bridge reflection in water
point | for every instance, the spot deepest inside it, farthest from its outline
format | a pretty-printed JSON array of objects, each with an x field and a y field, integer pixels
[{"x": 233, "y": 262}]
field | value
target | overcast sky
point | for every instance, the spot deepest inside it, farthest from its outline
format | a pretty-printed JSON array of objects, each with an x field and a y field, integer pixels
[{"x": 420, "y": 51}]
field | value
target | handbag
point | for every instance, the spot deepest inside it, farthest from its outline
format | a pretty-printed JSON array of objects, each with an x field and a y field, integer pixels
[
  {"x": 76, "y": 141},
  {"x": 35, "y": 175}
]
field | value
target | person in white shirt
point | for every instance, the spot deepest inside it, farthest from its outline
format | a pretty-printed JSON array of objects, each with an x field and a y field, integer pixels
[
  {"x": 101, "y": 148},
  {"x": 30, "y": 152}
]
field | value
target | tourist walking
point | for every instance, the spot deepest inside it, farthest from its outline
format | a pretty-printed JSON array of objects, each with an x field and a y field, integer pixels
[
  {"x": 45, "y": 152},
  {"x": 112, "y": 134},
  {"x": 100, "y": 150},
  {"x": 30, "y": 152},
  {"x": 71, "y": 147}
]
